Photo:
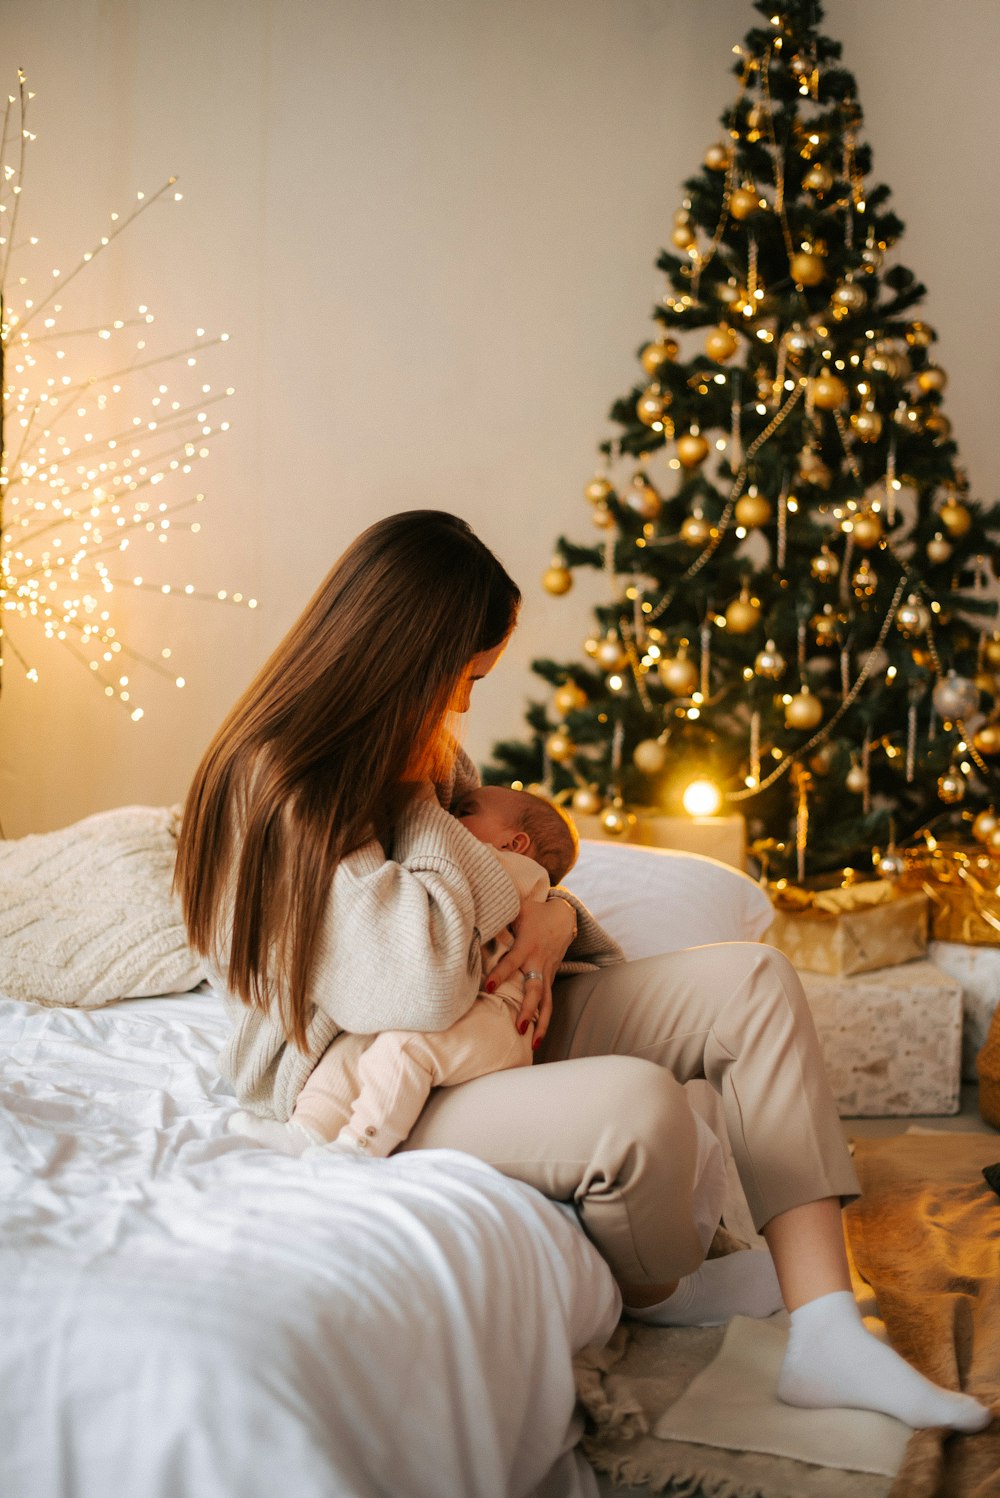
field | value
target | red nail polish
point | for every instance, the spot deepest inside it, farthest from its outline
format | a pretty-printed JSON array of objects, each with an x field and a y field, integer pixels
[
  {"x": 490, "y": 986},
  {"x": 522, "y": 1026},
  {"x": 536, "y": 1042}
]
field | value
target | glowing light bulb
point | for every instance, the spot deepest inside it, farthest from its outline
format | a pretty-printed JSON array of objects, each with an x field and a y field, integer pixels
[{"x": 701, "y": 799}]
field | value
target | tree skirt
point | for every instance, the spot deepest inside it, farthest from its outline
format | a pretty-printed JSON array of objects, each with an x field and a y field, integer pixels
[{"x": 926, "y": 1236}]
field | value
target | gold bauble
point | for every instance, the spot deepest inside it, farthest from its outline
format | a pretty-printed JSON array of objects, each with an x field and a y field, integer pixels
[
  {"x": 569, "y": 698},
  {"x": 587, "y": 800},
  {"x": 692, "y": 449},
  {"x": 938, "y": 549},
  {"x": 955, "y": 518},
  {"x": 649, "y": 756},
  {"x": 910, "y": 418},
  {"x": 769, "y": 662},
  {"x": 891, "y": 865},
  {"x": 991, "y": 650},
  {"x": 912, "y": 617},
  {"x": 986, "y": 682},
  {"x": 867, "y": 425},
  {"x": 615, "y": 821},
  {"x": 557, "y": 579},
  {"x": 602, "y": 517},
  {"x": 721, "y": 344},
  {"x": 821, "y": 760},
  {"x": 661, "y": 351},
  {"x": 828, "y": 392},
  {"x": 987, "y": 739},
  {"x": 919, "y": 335},
  {"x": 867, "y": 529},
  {"x": 826, "y": 626},
  {"x": 849, "y": 296},
  {"x": 985, "y": 823},
  {"x": 679, "y": 675},
  {"x": 752, "y": 510},
  {"x": 931, "y": 378},
  {"x": 610, "y": 654},
  {"x": 717, "y": 157},
  {"x": 643, "y": 499},
  {"x": 804, "y": 710},
  {"x": 951, "y": 786},
  {"x": 743, "y": 202},
  {"x": 681, "y": 237},
  {"x": 825, "y": 565},
  {"x": 650, "y": 406},
  {"x": 818, "y": 178},
  {"x": 993, "y": 841},
  {"x": 799, "y": 340},
  {"x": 599, "y": 490},
  {"x": 807, "y": 269},
  {"x": 865, "y": 579},
  {"x": 696, "y": 530},
  {"x": 855, "y": 780},
  {"x": 559, "y": 746},
  {"x": 743, "y": 615},
  {"x": 937, "y": 423}
]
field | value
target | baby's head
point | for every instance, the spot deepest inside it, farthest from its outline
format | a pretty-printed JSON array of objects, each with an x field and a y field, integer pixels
[{"x": 521, "y": 823}]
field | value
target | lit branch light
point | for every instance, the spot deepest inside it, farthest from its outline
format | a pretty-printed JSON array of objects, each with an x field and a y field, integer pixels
[{"x": 96, "y": 427}]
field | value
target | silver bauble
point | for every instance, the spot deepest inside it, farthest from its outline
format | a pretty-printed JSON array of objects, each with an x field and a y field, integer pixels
[{"x": 955, "y": 697}]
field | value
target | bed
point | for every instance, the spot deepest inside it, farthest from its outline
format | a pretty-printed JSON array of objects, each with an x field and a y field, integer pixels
[{"x": 187, "y": 1315}]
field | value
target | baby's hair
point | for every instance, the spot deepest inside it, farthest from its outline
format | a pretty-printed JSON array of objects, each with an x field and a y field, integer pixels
[{"x": 555, "y": 842}]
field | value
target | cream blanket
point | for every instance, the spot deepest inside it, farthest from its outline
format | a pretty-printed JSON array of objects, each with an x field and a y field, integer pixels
[{"x": 87, "y": 914}]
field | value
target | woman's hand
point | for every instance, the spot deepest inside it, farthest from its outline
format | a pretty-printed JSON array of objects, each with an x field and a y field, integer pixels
[{"x": 542, "y": 934}]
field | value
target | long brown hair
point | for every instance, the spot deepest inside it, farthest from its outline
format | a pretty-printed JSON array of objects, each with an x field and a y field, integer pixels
[{"x": 323, "y": 748}]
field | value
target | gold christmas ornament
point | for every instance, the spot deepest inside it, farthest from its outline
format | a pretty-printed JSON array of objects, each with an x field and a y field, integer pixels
[
  {"x": 891, "y": 865},
  {"x": 799, "y": 340},
  {"x": 615, "y": 820},
  {"x": 826, "y": 626},
  {"x": 569, "y": 698},
  {"x": 955, "y": 518},
  {"x": 987, "y": 739},
  {"x": 872, "y": 257},
  {"x": 591, "y": 646},
  {"x": 867, "y": 424},
  {"x": 557, "y": 578},
  {"x": 867, "y": 529},
  {"x": 886, "y": 358},
  {"x": 743, "y": 614},
  {"x": 955, "y": 697},
  {"x": 991, "y": 650},
  {"x": 986, "y": 682},
  {"x": 951, "y": 786},
  {"x": 679, "y": 674},
  {"x": 865, "y": 579},
  {"x": 682, "y": 237},
  {"x": 717, "y": 157},
  {"x": 919, "y": 335},
  {"x": 828, "y": 392},
  {"x": 769, "y": 662},
  {"x": 696, "y": 530},
  {"x": 602, "y": 517},
  {"x": 752, "y": 510},
  {"x": 650, "y": 756},
  {"x": 661, "y": 351},
  {"x": 818, "y": 178},
  {"x": 560, "y": 747},
  {"x": 729, "y": 293},
  {"x": 599, "y": 490},
  {"x": 721, "y": 343},
  {"x": 912, "y": 617},
  {"x": 825, "y": 566},
  {"x": 938, "y": 549},
  {"x": 804, "y": 710},
  {"x": 985, "y": 823},
  {"x": 993, "y": 842},
  {"x": 849, "y": 296},
  {"x": 910, "y": 418},
  {"x": 931, "y": 378},
  {"x": 743, "y": 202},
  {"x": 692, "y": 449},
  {"x": 855, "y": 780},
  {"x": 937, "y": 423},
  {"x": 643, "y": 499},
  {"x": 610, "y": 654},
  {"x": 821, "y": 761},
  {"x": 807, "y": 269},
  {"x": 587, "y": 800},
  {"x": 651, "y": 405}
]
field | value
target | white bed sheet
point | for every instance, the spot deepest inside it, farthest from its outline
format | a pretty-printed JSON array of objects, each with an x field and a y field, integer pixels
[{"x": 186, "y": 1315}]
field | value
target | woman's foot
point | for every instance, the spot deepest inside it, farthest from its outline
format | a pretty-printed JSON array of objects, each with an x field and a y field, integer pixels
[
  {"x": 739, "y": 1284},
  {"x": 832, "y": 1362},
  {"x": 290, "y": 1138}
]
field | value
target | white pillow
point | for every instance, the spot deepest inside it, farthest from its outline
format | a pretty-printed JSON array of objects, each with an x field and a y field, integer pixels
[{"x": 655, "y": 900}]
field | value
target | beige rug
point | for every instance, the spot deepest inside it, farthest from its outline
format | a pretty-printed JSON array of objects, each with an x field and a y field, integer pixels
[{"x": 926, "y": 1235}]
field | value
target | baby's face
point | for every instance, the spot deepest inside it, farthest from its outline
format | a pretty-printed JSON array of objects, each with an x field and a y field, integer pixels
[{"x": 490, "y": 813}]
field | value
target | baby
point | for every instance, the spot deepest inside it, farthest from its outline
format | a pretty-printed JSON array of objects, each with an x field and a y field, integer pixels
[{"x": 365, "y": 1101}]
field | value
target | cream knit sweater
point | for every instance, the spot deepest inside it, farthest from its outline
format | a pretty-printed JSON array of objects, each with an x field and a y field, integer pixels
[{"x": 399, "y": 948}]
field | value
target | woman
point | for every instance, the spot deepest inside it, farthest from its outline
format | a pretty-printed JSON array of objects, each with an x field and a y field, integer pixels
[{"x": 337, "y": 897}]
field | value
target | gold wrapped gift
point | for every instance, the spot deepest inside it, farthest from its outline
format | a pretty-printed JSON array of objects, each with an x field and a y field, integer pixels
[
  {"x": 851, "y": 929},
  {"x": 963, "y": 885}
]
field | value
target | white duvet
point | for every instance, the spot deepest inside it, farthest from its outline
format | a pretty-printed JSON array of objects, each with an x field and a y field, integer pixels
[{"x": 186, "y": 1315}]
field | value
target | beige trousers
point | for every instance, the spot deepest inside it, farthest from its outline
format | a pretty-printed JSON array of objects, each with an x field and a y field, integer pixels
[{"x": 601, "y": 1120}]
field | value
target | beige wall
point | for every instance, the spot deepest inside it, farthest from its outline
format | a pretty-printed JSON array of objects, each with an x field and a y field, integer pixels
[{"x": 430, "y": 227}]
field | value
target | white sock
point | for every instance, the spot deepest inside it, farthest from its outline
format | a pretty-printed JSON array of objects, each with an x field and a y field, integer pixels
[
  {"x": 739, "y": 1284},
  {"x": 833, "y": 1362},
  {"x": 290, "y": 1138}
]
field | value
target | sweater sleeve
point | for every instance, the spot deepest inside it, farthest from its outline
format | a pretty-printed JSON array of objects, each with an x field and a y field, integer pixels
[{"x": 400, "y": 943}]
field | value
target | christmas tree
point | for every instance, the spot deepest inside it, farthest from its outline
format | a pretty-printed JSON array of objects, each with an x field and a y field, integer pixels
[{"x": 799, "y": 610}]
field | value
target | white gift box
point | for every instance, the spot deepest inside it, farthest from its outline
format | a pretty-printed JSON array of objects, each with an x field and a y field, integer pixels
[
  {"x": 891, "y": 1039},
  {"x": 977, "y": 969}
]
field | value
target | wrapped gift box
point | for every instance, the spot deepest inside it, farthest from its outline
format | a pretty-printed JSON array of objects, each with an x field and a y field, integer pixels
[
  {"x": 723, "y": 838},
  {"x": 960, "y": 880},
  {"x": 977, "y": 970},
  {"x": 854, "y": 929},
  {"x": 891, "y": 1039}
]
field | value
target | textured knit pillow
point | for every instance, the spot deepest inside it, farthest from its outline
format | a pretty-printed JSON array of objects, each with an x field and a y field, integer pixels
[
  {"x": 87, "y": 915},
  {"x": 655, "y": 900}
]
